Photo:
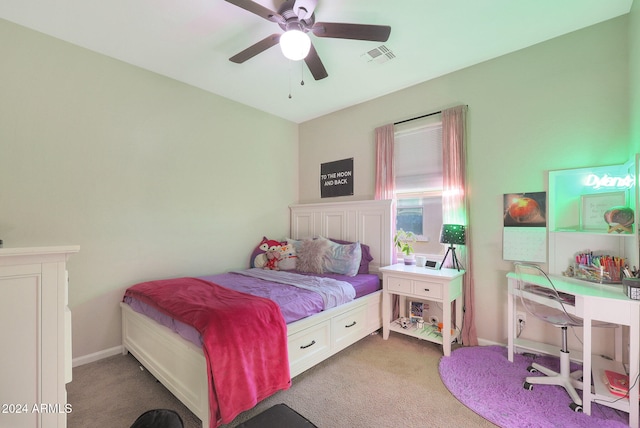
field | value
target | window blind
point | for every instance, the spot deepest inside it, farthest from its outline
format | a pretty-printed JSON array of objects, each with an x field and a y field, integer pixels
[{"x": 418, "y": 159}]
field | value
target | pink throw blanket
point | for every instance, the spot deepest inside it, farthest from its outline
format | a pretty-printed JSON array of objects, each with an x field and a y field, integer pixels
[{"x": 244, "y": 336}]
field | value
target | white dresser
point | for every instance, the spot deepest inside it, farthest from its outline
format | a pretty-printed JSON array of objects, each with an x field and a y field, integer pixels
[{"x": 35, "y": 361}]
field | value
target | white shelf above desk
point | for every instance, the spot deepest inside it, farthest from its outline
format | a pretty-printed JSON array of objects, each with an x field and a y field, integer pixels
[{"x": 571, "y": 220}]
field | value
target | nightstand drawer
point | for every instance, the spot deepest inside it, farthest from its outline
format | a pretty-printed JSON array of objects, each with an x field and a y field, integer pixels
[
  {"x": 398, "y": 285},
  {"x": 432, "y": 290}
]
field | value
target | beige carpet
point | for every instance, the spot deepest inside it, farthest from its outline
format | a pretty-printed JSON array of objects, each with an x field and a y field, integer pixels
[{"x": 373, "y": 383}]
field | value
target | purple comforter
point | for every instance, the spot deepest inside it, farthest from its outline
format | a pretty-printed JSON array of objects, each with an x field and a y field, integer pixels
[{"x": 295, "y": 303}]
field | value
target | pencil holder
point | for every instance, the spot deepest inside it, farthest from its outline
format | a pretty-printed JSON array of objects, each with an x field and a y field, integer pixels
[{"x": 597, "y": 274}]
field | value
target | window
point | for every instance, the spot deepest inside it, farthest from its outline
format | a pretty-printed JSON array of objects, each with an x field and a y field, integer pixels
[{"x": 418, "y": 166}]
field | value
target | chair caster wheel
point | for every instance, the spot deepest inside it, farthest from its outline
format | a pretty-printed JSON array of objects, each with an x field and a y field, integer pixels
[
  {"x": 532, "y": 369},
  {"x": 527, "y": 386},
  {"x": 575, "y": 407}
]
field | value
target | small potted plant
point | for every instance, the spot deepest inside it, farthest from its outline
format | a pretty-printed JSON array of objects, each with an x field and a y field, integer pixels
[{"x": 403, "y": 241}]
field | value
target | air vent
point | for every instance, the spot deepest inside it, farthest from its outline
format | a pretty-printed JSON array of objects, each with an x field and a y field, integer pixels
[{"x": 381, "y": 54}]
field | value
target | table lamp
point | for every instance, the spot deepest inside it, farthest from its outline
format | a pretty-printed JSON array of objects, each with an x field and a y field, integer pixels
[{"x": 452, "y": 234}]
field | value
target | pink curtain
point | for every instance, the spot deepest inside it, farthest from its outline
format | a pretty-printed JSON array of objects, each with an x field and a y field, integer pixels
[
  {"x": 455, "y": 205},
  {"x": 386, "y": 185},
  {"x": 385, "y": 171},
  {"x": 385, "y": 174}
]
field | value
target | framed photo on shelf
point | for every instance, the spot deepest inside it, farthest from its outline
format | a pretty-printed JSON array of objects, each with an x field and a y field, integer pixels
[
  {"x": 416, "y": 311},
  {"x": 593, "y": 207}
]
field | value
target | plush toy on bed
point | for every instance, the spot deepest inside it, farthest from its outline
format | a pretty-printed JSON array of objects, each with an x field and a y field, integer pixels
[
  {"x": 288, "y": 260},
  {"x": 259, "y": 255},
  {"x": 273, "y": 257}
]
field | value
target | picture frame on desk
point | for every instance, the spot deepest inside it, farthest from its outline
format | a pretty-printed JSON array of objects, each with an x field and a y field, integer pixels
[{"x": 593, "y": 207}]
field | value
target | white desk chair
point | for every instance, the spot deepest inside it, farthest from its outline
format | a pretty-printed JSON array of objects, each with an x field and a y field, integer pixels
[{"x": 547, "y": 304}]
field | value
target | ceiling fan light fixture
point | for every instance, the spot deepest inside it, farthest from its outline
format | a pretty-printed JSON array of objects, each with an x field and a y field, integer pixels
[{"x": 295, "y": 44}]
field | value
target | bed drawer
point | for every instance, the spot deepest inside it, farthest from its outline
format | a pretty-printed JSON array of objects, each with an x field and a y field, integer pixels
[
  {"x": 348, "y": 327},
  {"x": 309, "y": 345}
]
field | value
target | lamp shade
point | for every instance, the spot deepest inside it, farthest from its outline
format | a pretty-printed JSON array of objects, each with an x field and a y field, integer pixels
[
  {"x": 295, "y": 44},
  {"x": 452, "y": 234}
]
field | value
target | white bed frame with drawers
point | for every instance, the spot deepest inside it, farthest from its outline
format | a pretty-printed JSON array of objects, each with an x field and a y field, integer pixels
[{"x": 180, "y": 365}]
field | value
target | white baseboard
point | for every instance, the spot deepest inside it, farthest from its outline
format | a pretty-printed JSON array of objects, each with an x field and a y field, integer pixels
[
  {"x": 86, "y": 359},
  {"x": 485, "y": 342}
]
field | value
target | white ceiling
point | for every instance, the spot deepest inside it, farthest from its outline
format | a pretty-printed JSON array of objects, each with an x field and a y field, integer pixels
[{"x": 191, "y": 41}]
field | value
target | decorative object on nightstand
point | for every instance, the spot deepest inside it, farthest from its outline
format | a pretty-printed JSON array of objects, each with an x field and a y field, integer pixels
[
  {"x": 452, "y": 234},
  {"x": 403, "y": 241}
]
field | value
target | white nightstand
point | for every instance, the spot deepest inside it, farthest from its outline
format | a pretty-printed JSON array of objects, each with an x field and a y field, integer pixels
[{"x": 443, "y": 286}]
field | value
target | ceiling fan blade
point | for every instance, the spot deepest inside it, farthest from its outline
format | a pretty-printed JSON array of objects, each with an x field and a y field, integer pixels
[
  {"x": 255, "y": 49},
  {"x": 376, "y": 33},
  {"x": 315, "y": 64},
  {"x": 258, "y": 9}
]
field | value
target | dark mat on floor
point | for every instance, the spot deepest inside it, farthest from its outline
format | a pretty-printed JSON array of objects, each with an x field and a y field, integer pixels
[{"x": 278, "y": 416}]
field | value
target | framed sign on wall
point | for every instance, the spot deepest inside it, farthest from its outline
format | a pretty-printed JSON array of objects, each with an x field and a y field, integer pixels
[
  {"x": 593, "y": 207},
  {"x": 336, "y": 178}
]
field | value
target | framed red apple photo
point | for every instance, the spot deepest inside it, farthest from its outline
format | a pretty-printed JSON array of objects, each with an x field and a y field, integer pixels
[{"x": 525, "y": 209}]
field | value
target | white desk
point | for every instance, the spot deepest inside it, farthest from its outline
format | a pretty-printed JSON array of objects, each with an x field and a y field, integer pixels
[
  {"x": 594, "y": 302},
  {"x": 442, "y": 286}
]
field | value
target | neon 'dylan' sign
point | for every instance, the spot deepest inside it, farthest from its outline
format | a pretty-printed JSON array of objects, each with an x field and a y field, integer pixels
[{"x": 607, "y": 181}]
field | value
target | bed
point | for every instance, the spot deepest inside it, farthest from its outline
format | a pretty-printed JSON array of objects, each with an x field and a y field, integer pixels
[{"x": 178, "y": 361}]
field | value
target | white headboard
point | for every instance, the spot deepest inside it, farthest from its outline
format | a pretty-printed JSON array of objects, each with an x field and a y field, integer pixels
[{"x": 367, "y": 222}]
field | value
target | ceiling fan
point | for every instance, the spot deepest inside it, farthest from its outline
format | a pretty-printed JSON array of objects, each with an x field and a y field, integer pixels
[{"x": 296, "y": 18}]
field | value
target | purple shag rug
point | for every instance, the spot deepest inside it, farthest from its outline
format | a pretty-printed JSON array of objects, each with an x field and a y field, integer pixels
[{"x": 484, "y": 380}]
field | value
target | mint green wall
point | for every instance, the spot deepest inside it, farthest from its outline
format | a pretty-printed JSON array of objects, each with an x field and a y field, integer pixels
[
  {"x": 151, "y": 177},
  {"x": 559, "y": 104}
]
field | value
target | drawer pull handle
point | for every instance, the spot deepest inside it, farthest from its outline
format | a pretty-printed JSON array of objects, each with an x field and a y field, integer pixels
[
  {"x": 313, "y": 342},
  {"x": 426, "y": 289},
  {"x": 350, "y": 325}
]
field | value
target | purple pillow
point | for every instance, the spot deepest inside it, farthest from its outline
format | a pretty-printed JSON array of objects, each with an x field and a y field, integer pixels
[{"x": 366, "y": 255}]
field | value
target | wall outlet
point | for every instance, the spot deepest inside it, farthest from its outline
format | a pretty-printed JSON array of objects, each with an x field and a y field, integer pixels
[{"x": 521, "y": 317}]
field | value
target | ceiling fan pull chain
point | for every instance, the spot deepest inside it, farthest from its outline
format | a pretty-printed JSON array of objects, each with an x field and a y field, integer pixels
[
  {"x": 290, "y": 79},
  {"x": 301, "y": 73}
]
